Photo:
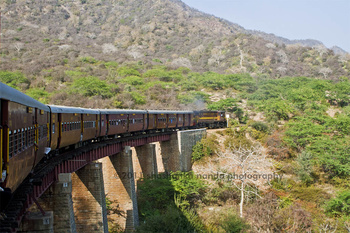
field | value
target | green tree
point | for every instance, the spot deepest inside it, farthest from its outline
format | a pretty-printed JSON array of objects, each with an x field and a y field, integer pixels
[
  {"x": 138, "y": 98},
  {"x": 14, "y": 79},
  {"x": 223, "y": 104},
  {"x": 127, "y": 71},
  {"x": 92, "y": 86},
  {"x": 39, "y": 94},
  {"x": 133, "y": 80}
]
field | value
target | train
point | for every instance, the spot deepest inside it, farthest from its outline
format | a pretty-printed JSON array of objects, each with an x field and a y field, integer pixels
[{"x": 30, "y": 130}]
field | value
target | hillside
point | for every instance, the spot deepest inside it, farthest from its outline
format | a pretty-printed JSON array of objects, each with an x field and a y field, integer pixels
[
  {"x": 290, "y": 99},
  {"x": 42, "y": 34}
]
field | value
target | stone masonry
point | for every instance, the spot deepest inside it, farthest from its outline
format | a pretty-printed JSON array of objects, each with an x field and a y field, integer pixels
[
  {"x": 176, "y": 153},
  {"x": 89, "y": 199},
  {"x": 57, "y": 203},
  {"x": 118, "y": 175}
]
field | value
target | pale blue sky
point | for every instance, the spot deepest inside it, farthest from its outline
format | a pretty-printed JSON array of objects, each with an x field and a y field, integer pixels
[{"x": 325, "y": 20}]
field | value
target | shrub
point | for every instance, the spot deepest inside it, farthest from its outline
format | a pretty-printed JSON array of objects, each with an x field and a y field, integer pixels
[
  {"x": 310, "y": 194},
  {"x": 14, "y": 79},
  {"x": 206, "y": 147},
  {"x": 233, "y": 224},
  {"x": 138, "y": 98},
  {"x": 133, "y": 80},
  {"x": 279, "y": 108},
  {"x": 155, "y": 72},
  {"x": 170, "y": 221},
  {"x": 258, "y": 135},
  {"x": 223, "y": 104},
  {"x": 198, "y": 151},
  {"x": 188, "y": 85},
  {"x": 339, "y": 205},
  {"x": 187, "y": 186},
  {"x": 302, "y": 131},
  {"x": 260, "y": 126},
  {"x": 190, "y": 214},
  {"x": 192, "y": 97},
  {"x": 337, "y": 163},
  {"x": 222, "y": 193},
  {"x": 305, "y": 167},
  {"x": 127, "y": 71},
  {"x": 92, "y": 86},
  {"x": 74, "y": 74},
  {"x": 154, "y": 196},
  {"x": 111, "y": 64},
  {"x": 89, "y": 60},
  {"x": 300, "y": 222},
  {"x": 342, "y": 124},
  {"x": 164, "y": 204},
  {"x": 39, "y": 94},
  {"x": 237, "y": 139}
]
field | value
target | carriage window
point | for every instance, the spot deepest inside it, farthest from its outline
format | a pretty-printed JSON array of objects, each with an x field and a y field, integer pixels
[
  {"x": 15, "y": 142},
  {"x": 23, "y": 141},
  {"x": 26, "y": 137},
  {"x": 41, "y": 130},
  {"x": 29, "y": 136},
  {"x": 53, "y": 128},
  {"x": 46, "y": 130},
  {"x": 32, "y": 136},
  {"x": 19, "y": 140},
  {"x": 11, "y": 144}
]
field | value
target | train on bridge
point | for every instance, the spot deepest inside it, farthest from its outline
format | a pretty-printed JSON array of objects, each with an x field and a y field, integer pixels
[{"x": 30, "y": 130}]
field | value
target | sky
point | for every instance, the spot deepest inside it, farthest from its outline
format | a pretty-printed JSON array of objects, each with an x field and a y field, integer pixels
[{"x": 327, "y": 21}]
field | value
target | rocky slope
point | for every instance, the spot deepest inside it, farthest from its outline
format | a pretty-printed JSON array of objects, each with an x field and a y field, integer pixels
[{"x": 45, "y": 33}]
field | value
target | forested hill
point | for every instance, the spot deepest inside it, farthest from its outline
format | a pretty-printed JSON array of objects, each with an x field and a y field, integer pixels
[{"x": 42, "y": 34}]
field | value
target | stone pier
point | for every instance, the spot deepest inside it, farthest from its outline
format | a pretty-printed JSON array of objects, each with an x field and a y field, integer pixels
[
  {"x": 57, "y": 205},
  {"x": 119, "y": 178},
  {"x": 89, "y": 199},
  {"x": 176, "y": 153},
  {"x": 147, "y": 158}
]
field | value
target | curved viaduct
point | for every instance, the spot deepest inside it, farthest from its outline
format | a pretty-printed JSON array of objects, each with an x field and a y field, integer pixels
[{"x": 68, "y": 192}]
